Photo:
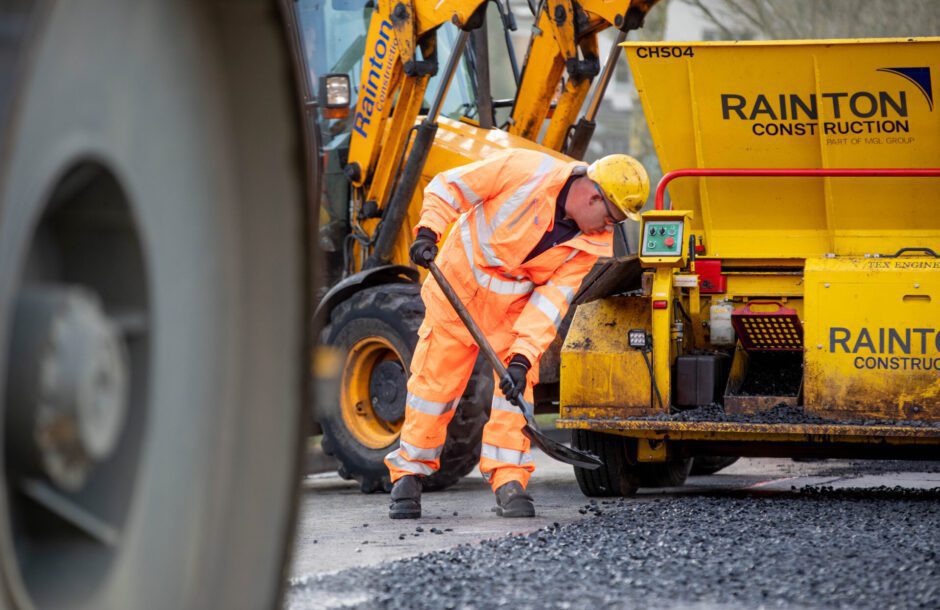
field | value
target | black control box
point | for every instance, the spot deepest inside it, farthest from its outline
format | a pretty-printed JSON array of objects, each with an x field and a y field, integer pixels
[{"x": 700, "y": 379}]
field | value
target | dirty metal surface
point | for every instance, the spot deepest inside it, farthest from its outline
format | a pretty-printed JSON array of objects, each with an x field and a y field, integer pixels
[
  {"x": 599, "y": 369},
  {"x": 879, "y": 358},
  {"x": 742, "y": 431},
  {"x": 610, "y": 276},
  {"x": 743, "y": 404}
]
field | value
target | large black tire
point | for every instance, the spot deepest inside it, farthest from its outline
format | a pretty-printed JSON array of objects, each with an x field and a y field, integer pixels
[
  {"x": 150, "y": 158},
  {"x": 618, "y": 476},
  {"x": 394, "y": 312},
  {"x": 671, "y": 473},
  {"x": 710, "y": 464}
]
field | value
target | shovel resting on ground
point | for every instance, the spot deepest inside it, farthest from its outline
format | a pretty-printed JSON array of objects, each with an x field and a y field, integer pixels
[{"x": 551, "y": 448}]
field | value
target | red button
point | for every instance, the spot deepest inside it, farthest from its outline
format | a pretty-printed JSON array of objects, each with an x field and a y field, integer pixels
[{"x": 670, "y": 242}]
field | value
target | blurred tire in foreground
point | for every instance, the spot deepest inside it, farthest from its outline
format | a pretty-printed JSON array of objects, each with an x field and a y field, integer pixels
[{"x": 151, "y": 304}]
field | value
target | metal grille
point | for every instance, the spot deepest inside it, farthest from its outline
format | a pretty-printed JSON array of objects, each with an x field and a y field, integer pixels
[{"x": 768, "y": 331}]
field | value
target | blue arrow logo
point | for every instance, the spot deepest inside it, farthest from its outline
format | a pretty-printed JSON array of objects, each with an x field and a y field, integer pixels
[{"x": 920, "y": 77}]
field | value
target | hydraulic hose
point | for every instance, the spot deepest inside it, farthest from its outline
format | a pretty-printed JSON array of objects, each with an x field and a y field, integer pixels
[{"x": 649, "y": 366}]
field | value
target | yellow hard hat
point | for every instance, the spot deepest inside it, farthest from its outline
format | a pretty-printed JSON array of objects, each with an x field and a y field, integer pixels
[{"x": 623, "y": 181}]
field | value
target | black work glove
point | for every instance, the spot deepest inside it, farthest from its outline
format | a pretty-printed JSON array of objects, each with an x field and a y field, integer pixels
[
  {"x": 513, "y": 384},
  {"x": 424, "y": 248}
]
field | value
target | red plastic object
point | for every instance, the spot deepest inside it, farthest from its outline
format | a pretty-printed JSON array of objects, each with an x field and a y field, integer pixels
[
  {"x": 660, "y": 304},
  {"x": 768, "y": 331},
  {"x": 711, "y": 280}
]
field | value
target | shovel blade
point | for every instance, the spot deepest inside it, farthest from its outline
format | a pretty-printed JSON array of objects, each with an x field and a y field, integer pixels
[{"x": 557, "y": 451}]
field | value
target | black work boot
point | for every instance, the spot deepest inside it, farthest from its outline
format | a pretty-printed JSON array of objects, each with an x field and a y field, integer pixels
[
  {"x": 406, "y": 498},
  {"x": 513, "y": 501}
]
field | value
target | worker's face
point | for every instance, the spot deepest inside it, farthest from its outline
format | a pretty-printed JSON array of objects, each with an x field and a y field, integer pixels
[{"x": 592, "y": 212}]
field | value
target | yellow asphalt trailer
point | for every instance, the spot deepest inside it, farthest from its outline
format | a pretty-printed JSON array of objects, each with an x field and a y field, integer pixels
[{"x": 855, "y": 257}]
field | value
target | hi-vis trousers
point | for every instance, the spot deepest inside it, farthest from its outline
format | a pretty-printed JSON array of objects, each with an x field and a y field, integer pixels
[{"x": 440, "y": 369}]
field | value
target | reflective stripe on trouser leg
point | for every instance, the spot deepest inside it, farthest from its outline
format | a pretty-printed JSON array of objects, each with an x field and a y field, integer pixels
[
  {"x": 412, "y": 459},
  {"x": 505, "y": 455},
  {"x": 440, "y": 368}
]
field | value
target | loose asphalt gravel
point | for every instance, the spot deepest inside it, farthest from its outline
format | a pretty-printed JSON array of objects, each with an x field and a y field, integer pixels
[{"x": 810, "y": 548}]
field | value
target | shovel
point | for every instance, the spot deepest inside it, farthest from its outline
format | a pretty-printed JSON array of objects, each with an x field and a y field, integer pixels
[{"x": 551, "y": 448}]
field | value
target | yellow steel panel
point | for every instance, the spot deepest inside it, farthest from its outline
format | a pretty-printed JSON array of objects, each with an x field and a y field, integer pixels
[
  {"x": 764, "y": 285},
  {"x": 663, "y": 354},
  {"x": 872, "y": 335},
  {"x": 785, "y": 104},
  {"x": 600, "y": 374},
  {"x": 651, "y": 450}
]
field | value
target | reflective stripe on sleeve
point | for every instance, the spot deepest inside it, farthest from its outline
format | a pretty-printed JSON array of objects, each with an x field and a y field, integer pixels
[
  {"x": 506, "y": 456},
  {"x": 439, "y": 188},
  {"x": 467, "y": 192},
  {"x": 396, "y": 459},
  {"x": 566, "y": 291},
  {"x": 454, "y": 176},
  {"x": 501, "y": 404},
  {"x": 545, "y": 305},
  {"x": 428, "y": 406},
  {"x": 417, "y": 453}
]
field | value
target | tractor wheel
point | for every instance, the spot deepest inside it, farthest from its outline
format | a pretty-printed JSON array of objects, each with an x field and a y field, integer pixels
[
  {"x": 377, "y": 329},
  {"x": 618, "y": 476},
  {"x": 710, "y": 464},
  {"x": 151, "y": 308},
  {"x": 672, "y": 473}
]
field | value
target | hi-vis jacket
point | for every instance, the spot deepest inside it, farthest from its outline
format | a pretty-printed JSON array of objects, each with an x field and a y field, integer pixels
[{"x": 503, "y": 206}]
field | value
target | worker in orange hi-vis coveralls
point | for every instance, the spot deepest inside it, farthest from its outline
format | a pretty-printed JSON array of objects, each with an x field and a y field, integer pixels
[{"x": 527, "y": 228}]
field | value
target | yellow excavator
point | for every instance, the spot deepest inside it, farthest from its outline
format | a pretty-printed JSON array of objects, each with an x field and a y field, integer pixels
[{"x": 402, "y": 93}]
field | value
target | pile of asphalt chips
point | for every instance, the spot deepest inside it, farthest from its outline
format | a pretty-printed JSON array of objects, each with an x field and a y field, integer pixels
[{"x": 813, "y": 547}]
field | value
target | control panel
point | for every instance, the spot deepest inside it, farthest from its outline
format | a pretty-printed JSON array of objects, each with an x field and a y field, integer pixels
[{"x": 662, "y": 238}]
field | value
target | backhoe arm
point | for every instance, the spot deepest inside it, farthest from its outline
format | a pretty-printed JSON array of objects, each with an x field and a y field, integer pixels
[
  {"x": 393, "y": 74},
  {"x": 564, "y": 41},
  {"x": 392, "y": 69}
]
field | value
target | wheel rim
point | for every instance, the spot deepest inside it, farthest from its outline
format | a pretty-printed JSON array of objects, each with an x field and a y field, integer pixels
[
  {"x": 371, "y": 416},
  {"x": 75, "y": 408}
]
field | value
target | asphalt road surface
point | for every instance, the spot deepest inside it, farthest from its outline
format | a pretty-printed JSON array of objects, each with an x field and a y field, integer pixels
[{"x": 763, "y": 533}]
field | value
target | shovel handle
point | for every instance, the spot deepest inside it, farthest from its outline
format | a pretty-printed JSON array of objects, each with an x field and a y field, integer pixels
[
  {"x": 477, "y": 334},
  {"x": 552, "y": 448}
]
